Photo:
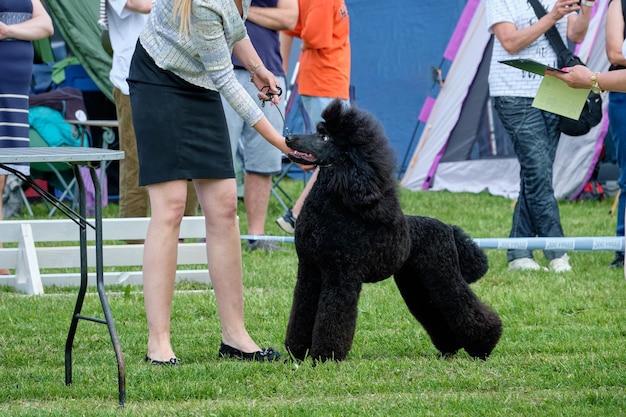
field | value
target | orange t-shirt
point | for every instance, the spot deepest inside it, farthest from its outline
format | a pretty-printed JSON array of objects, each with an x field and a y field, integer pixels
[{"x": 324, "y": 27}]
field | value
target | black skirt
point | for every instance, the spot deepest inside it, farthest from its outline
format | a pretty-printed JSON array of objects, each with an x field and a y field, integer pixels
[{"x": 180, "y": 128}]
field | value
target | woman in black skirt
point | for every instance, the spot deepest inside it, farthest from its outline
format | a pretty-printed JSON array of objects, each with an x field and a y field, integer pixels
[{"x": 181, "y": 65}]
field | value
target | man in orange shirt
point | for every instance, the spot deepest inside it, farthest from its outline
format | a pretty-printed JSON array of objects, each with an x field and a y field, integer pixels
[{"x": 324, "y": 74}]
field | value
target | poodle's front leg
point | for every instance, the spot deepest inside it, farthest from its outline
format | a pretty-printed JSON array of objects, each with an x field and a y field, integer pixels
[
  {"x": 335, "y": 322},
  {"x": 303, "y": 310}
]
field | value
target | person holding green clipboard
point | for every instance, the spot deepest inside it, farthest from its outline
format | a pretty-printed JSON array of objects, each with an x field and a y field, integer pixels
[{"x": 535, "y": 133}]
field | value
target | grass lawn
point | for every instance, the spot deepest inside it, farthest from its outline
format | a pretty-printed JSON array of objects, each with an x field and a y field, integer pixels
[{"x": 562, "y": 353}]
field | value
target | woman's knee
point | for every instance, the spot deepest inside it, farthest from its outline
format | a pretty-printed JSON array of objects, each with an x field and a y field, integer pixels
[{"x": 168, "y": 201}]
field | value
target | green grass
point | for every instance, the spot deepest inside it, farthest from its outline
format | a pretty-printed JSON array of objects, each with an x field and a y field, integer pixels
[{"x": 562, "y": 353}]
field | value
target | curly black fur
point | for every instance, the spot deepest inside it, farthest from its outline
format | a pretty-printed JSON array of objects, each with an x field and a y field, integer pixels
[{"x": 352, "y": 230}]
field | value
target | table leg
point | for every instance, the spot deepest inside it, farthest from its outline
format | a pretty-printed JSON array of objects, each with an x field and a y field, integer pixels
[
  {"x": 99, "y": 283},
  {"x": 101, "y": 291},
  {"x": 83, "y": 276}
]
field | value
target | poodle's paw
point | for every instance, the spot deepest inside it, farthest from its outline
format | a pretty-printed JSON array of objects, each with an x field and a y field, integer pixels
[
  {"x": 481, "y": 346},
  {"x": 296, "y": 354},
  {"x": 445, "y": 354}
]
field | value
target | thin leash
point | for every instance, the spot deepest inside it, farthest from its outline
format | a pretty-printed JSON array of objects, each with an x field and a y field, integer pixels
[{"x": 270, "y": 96}]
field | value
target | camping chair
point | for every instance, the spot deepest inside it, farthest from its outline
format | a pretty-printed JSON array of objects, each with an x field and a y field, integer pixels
[
  {"x": 59, "y": 175},
  {"x": 278, "y": 191},
  {"x": 48, "y": 128}
]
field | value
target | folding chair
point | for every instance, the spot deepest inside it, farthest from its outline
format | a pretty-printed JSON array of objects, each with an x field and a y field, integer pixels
[
  {"x": 278, "y": 191},
  {"x": 59, "y": 174},
  {"x": 49, "y": 129}
]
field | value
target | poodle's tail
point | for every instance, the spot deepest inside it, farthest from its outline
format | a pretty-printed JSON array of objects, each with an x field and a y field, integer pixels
[{"x": 472, "y": 259}]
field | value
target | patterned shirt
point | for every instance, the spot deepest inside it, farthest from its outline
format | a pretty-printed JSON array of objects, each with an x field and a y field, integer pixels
[
  {"x": 505, "y": 80},
  {"x": 202, "y": 57}
]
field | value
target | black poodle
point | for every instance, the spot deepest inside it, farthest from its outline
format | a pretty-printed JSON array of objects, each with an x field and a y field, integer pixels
[{"x": 352, "y": 230}]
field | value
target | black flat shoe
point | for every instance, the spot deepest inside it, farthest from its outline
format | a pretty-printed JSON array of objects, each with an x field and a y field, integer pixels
[
  {"x": 265, "y": 355},
  {"x": 170, "y": 362}
]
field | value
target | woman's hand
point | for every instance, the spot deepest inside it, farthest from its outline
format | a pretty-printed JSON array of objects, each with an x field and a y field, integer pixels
[
  {"x": 266, "y": 82},
  {"x": 578, "y": 76}
]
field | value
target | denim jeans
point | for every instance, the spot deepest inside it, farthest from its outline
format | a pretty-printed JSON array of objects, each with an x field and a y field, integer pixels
[
  {"x": 314, "y": 106},
  {"x": 535, "y": 136},
  {"x": 617, "y": 117}
]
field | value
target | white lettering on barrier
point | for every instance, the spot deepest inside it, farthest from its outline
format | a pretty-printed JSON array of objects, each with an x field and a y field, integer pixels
[
  {"x": 603, "y": 244},
  {"x": 512, "y": 244},
  {"x": 560, "y": 244}
]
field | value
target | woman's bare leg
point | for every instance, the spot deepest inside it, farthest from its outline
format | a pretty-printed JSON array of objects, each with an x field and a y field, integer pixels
[
  {"x": 218, "y": 199},
  {"x": 167, "y": 201}
]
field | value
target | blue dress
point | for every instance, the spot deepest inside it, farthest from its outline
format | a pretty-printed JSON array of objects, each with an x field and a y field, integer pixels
[{"x": 16, "y": 61}]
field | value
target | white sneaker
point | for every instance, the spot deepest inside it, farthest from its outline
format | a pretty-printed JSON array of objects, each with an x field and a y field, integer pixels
[
  {"x": 560, "y": 264},
  {"x": 287, "y": 221},
  {"x": 524, "y": 264}
]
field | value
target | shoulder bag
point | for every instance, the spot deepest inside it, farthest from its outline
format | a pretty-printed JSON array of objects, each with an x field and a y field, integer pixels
[{"x": 592, "y": 111}]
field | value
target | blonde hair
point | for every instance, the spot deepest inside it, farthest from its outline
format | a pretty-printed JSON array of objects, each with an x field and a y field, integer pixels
[{"x": 182, "y": 9}]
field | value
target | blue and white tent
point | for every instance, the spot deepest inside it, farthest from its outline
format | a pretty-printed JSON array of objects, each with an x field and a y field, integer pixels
[{"x": 463, "y": 148}]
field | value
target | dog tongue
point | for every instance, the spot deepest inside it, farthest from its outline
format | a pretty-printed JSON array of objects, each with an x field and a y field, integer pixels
[{"x": 304, "y": 155}]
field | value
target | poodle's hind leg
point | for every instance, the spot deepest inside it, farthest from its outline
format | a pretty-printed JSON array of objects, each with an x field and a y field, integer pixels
[
  {"x": 434, "y": 261},
  {"x": 430, "y": 317},
  {"x": 476, "y": 326},
  {"x": 303, "y": 311},
  {"x": 336, "y": 318}
]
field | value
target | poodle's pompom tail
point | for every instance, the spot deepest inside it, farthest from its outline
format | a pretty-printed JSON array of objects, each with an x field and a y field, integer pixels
[{"x": 472, "y": 259}]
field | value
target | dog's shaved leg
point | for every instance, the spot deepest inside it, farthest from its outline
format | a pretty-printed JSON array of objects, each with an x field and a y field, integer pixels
[
  {"x": 335, "y": 322},
  {"x": 303, "y": 312}
]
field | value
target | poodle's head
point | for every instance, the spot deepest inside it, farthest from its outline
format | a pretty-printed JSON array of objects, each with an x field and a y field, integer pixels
[{"x": 346, "y": 136}]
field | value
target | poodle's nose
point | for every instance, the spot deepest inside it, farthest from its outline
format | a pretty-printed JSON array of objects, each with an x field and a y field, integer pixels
[{"x": 289, "y": 139}]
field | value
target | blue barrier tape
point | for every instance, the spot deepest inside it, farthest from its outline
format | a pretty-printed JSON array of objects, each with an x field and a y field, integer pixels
[{"x": 600, "y": 243}]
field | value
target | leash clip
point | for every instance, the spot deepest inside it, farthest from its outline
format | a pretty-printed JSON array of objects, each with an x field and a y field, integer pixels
[{"x": 269, "y": 94}]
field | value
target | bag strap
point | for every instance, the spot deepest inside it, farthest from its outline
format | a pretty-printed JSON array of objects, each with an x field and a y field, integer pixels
[
  {"x": 552, "y": 34},
  {"x": 103, "y": 22}
]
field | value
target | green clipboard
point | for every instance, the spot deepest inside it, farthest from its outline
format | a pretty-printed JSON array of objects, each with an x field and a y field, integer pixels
[{"x": 529, "y": 65}]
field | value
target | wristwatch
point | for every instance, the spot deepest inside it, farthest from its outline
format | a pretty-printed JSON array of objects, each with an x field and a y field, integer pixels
[
  {"x": 588, "y": 3},
  {"x": 594, "y": 84}
]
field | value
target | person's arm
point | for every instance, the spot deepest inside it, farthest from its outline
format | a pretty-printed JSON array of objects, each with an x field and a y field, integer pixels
[
  {"x": 285, "y": 49},
  {"x": 39, "y": 26},
  {"x": 282, "y": 17},
  {"x": 578, "y": 23},
  {"x": 612, "y": 80},
  {"x": 615, "y": 33},
  {"x": 261, "y": 77},
  {"x": 265, "y": 129},
  {"x": 139, "y": 6},
  {"x": 514, "y": 40},
  {"x": 580, "y": 77}
]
